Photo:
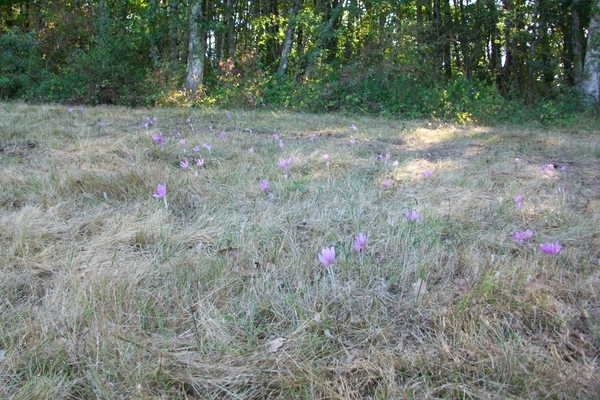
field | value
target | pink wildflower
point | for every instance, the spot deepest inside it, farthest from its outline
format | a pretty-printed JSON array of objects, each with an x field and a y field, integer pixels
[
  {"x": 327, "y": 256},
  {"x": 361, "y": 241}
]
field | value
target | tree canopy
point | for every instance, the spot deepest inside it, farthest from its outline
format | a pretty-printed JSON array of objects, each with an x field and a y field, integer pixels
[{"x": 449, "y": 58}]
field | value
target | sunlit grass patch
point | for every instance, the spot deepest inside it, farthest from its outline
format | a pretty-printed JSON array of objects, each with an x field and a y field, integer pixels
[{"x": 211, "y": 286}]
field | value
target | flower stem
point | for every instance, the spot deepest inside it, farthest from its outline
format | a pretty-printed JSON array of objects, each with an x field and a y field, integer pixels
[{"x": 332, "y": 278}]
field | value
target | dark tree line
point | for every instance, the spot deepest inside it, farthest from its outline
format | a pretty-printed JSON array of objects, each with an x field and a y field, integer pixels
[{"x": 369, "y": 53}]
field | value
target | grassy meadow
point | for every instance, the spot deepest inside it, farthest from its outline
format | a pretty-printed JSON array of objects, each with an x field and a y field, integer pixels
[{"x": 217, "y": 291}]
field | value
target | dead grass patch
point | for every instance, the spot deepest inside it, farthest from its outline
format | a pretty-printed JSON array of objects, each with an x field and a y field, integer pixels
[{"x": 107, "y": 293}]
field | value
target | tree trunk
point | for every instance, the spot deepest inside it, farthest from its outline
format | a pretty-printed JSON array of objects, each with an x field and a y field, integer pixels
[
  {"x": 197, "y": 49},
  {"x": 173, "y": 33},
  {"x": 591, "y": 66},
  {"x": 464, "y": 42},
  {"x": 331, "y": 22},
  {"x": 532, "y": 52},
  {"x": 102, "y": 22},
  {"x": 326, "y": 39},
  {"x": 153, "y": 21},
  {"x": 230, "y": 26},
  {"x": 438, "y": 40},
  {"x": 575, "y": 50},
  {"x": 447, "y": 39},
  {"x": 494, "y": 38},
  {"x": 289, "y": 38},
  {"x": 506, "y": 76},
  {"x": 350, "y": 29}
]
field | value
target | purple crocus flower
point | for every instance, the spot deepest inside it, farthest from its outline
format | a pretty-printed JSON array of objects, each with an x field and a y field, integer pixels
[
  {"x": 551, "y": 248},
  {"x": 182, "y": 142},
  {"x": 207, "y": 146},
  {"x": 200, "y": 162},
  {"x": 386, "y": 183},
  {"x": 196, "y": 148},
  {"x": 546, "y": 166},
  {"x": 276, "y": 137},
  {"x": 285, "y": 164},
  {"x": 519, "y": 236},
  {"x": 361, "y": 241},
  {"x": 352, "y": 140},
  {"x": 563, "y": 168},
  {"x": 281, "y": 145},
  {"x": 184, "y": 164},
  {"x": 412, "y": 216},
  {"x": 427, "y": 173},
  {"x": 251, "y": 150},
  {"x": 223, "y": 135},
  {"x": 264, "y": 185},
  {"x": 519, "y": 201},
  {"x": 158, "y": 138},
  {"x": 327, "y": 256},
  {"x": 161, "y": 191}
]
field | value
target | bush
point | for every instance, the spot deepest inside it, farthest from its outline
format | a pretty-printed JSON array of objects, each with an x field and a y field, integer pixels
[{"x": 21, "y": 67}]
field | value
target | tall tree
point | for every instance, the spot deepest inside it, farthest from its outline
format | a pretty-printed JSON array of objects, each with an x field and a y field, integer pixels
[
  {"x": 197, "y": 48},
  {"x": 288, "y": 41},
  {"x": 173, "y": 32},
  {"x": 230, "y": 30},
  {"x": 573, "y": 42},
  {"x": 591, "y": 67}
]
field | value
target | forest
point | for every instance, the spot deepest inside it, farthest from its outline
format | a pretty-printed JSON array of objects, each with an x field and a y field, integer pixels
[{"x": 463, "y": 60}]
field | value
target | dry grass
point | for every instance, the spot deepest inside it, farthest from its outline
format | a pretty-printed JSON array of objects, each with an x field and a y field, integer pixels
[{"x": 108, "y": 294}]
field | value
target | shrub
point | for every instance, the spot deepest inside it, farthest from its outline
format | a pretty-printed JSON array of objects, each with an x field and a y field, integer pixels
[{"x": 21, "y": 67}]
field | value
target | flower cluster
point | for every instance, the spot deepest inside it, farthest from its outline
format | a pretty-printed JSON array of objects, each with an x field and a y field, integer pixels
[{"x": 520, "y": 236}]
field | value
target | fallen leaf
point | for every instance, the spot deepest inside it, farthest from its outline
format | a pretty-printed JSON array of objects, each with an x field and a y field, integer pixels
[
  {"x": 232, "y": 254},
  {"x": 420, "y": 287},
  {"x": 275, "y": 344},
  {"x": 82, "y": 271},
  {"x": 357, "y": 321},
  {"x": 470, "y": 355},
  {"x": 350, "y": 358},
  {"x": 577, "y": 335},
  {"x": 543, "y": 337},
  {"x": 463, "y": 285},
  {"x": 246, "y": 270},
  {"x": 535, "y": 283}
]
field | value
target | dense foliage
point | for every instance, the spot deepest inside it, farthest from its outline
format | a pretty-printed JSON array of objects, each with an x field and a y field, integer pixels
[{"x": 460, "y": 59}]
